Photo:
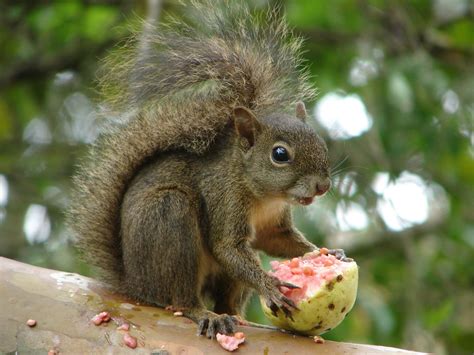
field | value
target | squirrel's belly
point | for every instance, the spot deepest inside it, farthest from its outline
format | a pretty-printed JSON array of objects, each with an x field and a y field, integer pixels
[{"x": 267, "y": 212}]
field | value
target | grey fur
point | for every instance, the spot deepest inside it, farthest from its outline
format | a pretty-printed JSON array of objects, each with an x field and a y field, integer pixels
[
  {"x": 182, "y": 92},
  {"x": 173, "y": 202}
]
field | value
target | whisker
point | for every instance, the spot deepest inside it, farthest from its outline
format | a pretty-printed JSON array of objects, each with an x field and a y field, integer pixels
[
  {"x": 341, "y": 170},
  {"x": 342, "y": 161}
]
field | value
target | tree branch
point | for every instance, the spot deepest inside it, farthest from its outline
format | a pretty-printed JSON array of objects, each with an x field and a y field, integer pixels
[{"x": 63, "y": 304}]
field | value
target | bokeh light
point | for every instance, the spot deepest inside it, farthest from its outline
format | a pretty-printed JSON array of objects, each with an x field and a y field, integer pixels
[
  {"x": 344, "y": 116},
  {"x": 37, "y": 225},
  {"x": 403, "y": 202}
]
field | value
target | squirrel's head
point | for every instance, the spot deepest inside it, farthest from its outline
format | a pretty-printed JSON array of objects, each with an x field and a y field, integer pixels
[{"x": 282, "y": 155}]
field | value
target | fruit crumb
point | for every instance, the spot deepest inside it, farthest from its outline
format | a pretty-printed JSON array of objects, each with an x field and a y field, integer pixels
[
  {"x": 318, "y": 340},
  {"x": 124, "y": 326},
  {"x": 229, "y": 342},
  {"x": 239, "y": 335},
  {"x": 178, "y": 314},
  {"x": 98, "y": 319},
  {"x": 324, "y": 251},
  {"x": 30, "y": 323},
  {"x": 130, "y": 341},
  {"x": 105, "y": 316}
]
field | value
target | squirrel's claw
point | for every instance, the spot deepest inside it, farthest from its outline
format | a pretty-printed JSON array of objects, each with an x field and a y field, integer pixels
[
  {"x": 211, "y": 329},
  {"x": 273, "y": 307},
  {"x": 278, "y": 283},
  {"x": 285, "y": 305},
  {"x": 288, "y": 285},
  {"x": 340, "y": 254},
  {"x": 287, "y": 313},
  {"x": 202, "y": 325},
  {"x": 238, "y": 320},
  {"x": 290, "y": 303},
  {"x": 277, "y": 301},
  {"x": 211, "y": 325}
]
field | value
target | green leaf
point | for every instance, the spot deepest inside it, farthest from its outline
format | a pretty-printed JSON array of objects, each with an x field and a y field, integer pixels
[
  {"x": 435, "y": 317},
  {"x": 97, "y": 22}
]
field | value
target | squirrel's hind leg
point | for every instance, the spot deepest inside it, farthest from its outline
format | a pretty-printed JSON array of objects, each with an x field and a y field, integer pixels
[
  {"x": 162, "y": 247},
  {"x": 231, "y": 296},
  {"x": 160, "y": 242}
]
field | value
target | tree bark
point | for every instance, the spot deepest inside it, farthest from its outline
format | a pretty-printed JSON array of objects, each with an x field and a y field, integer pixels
[{"x": 64, "y": 303}]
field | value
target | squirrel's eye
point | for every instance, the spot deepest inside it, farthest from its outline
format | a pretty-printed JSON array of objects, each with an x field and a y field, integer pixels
[{"x": 280, "y": 155}]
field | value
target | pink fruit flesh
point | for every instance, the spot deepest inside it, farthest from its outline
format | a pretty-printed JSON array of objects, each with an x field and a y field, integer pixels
[
  {"x": 130, "y": 341},
  {"x": 308, "y": 272},
  {"x": 30, "y": 322},
  {"x": 97, "y": 320},
  {"x": 124, "y": 326},
  {"x": 105, "y": 316},
  {"x": 229, "y": 342},
  {"x": 295, "y": 262}
]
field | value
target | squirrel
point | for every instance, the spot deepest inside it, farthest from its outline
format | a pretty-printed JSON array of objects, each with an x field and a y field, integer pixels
[{"x": 198, "y": 172}]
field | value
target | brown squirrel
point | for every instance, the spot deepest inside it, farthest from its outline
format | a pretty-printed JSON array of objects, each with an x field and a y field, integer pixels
[{"x": 200, "y": 171}]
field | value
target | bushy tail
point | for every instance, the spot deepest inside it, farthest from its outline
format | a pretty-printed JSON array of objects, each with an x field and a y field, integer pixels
[{"x": 178, "y": 85}]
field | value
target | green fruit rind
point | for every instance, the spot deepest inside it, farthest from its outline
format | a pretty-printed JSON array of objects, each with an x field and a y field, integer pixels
[{"x": 325, "y": 309}]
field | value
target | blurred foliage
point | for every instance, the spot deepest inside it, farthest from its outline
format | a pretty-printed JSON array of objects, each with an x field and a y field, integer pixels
[{"x": 410, "y": 63}]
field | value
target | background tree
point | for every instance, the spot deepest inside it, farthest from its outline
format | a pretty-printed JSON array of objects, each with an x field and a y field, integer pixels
[{"x": 396, "y": 106}]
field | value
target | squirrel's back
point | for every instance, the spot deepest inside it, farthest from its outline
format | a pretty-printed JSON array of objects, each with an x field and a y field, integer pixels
[{"x": 178, "y": 84}]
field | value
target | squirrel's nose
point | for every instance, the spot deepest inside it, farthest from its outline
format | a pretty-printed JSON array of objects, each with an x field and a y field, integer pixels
[{"x": 322, "y": 187}]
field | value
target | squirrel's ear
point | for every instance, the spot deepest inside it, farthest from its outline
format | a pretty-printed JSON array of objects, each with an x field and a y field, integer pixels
[
  {"x": 301, "y": 111},
  {"x": 246, "y": 124}
]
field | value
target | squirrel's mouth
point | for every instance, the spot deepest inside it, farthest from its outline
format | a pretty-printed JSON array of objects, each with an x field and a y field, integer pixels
[{"x": 305, "y": 201}]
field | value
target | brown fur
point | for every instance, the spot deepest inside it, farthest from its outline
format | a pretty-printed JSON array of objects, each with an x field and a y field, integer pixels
[{"x": 172, "y": 201}]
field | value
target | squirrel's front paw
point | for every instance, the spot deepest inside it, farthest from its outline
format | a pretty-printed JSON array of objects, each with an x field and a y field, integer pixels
[
  {"x": 211, "y": 324},
  {"x": 276, "y": 300},
  {"x": 340, "y": 254}
]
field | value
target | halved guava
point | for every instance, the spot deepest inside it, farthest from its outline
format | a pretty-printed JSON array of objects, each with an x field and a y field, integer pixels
[{"x": 328, "y": 289}]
